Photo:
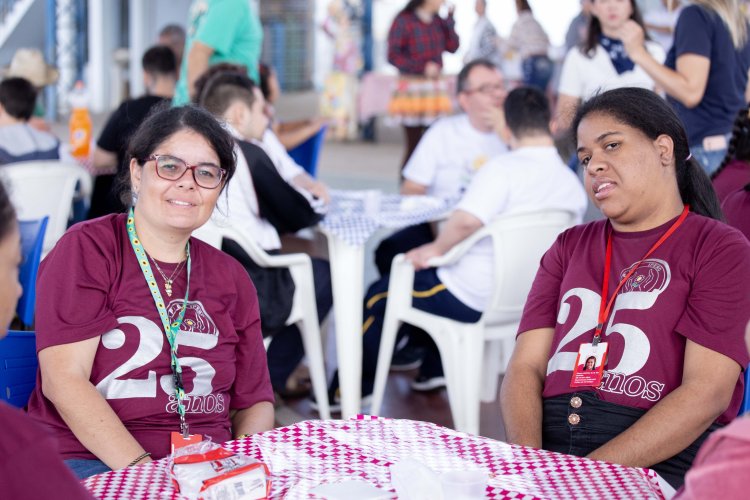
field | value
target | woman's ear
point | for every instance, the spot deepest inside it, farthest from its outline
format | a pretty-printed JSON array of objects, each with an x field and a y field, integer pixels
[
  {"x": 135, "y": 175},
  {"x": 665, "y": 146}
]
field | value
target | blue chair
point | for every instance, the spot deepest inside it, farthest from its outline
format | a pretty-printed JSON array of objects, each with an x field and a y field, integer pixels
[
  {"x": 18, "y": 366},
  {"x": 745, "y": 407},
  {"x": 307, "y": 153},
  {"x": 32, "y": 239}
]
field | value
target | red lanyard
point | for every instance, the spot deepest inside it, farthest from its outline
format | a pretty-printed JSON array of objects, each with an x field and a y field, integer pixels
[{"x": 604, "y": 311}]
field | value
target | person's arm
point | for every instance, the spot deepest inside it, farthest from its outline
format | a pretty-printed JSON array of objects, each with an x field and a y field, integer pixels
[
  {"x": 66, "y": 372},
  {"x": 686, "y": 83},
  {"x": 708, "y": 382},
  {"x": 316, "y": 188},
  {"x": 197, "y": 63},
  {"x": 459, "y": 226},
  {"x": 521, "y": 392},
  {"x": 449, "y": 28},
  {"x": 398, "y": 47},
  {"x": 410, "y": 187},
  {"x": 257, "y": 418},
  {"x": 104, "y": 158},
  {"x": 295, "y": 133}
]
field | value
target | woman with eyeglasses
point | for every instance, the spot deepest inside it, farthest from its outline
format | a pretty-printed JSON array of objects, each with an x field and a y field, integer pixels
[{"x": 146, "y": 336}]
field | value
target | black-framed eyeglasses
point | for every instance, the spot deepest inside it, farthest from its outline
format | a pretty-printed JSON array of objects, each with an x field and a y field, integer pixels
[
  {"x": 487, "y": 88},
  {"x": 171, "y": 168}
]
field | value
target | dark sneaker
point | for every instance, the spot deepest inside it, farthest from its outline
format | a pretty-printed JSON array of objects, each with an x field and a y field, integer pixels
[
  {"x": 408, "y": 358},
  {"x": 424, "y": 383}
]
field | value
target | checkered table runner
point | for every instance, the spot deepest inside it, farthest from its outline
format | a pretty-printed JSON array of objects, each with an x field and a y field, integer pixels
[
  {"x": 355, "y": 215},
  {"x": 309, "y": 453}
]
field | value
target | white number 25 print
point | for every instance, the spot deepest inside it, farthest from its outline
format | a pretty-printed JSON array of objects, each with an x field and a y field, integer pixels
[
  {"x": 150, "y": 344},
  {"x": 639, "y": 293}
]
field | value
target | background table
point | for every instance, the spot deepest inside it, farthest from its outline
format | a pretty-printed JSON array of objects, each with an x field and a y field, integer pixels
[
  {"x": 353, "y": 217},
  {"x": 309, "y": 453}
]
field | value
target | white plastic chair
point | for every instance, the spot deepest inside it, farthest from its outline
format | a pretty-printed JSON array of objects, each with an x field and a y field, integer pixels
[
  {"x": 471, "y": 352},
  {"x": 304, "y": 311},
  {"x": 39, "y": 188}
]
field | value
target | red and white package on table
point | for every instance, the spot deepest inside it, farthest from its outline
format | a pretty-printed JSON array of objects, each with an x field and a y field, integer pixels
[{"x": 206, "y": 471}]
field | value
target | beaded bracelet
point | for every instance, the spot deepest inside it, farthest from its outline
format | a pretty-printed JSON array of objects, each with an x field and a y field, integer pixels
[{"x": 140, "y": 457}]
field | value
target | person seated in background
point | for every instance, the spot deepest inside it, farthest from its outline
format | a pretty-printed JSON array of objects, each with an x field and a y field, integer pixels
[
  {"x": 173, "y": 36},
  {"x": 290, "y": 133},
  {"x": 142, "y": 331},
  {"x": 159, "y": 78},
  {"x": 232, "y": 97},
  {"x": 530, "y": 177},
  {"x": 734, "y": 171},
  {"x": 675, "y": 298},
  {"x": 451, "y": 152},
  {"x": 19, "y": 141},
  {"x": 29, "y": 64},
  {"x": 25, "y": 447}
]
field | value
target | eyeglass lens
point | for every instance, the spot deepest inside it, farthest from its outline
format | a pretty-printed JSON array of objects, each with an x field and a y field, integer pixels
[{"x": 205, "y": 174}]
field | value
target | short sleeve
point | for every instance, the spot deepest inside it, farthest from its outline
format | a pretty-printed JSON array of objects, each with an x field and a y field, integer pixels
[
  {"x": 252, "y": 383},
  {"x": 693, "y": 33},
  {"x": 718, "y": 307},
  {"x": 570, "y": 75},
  {"x": 422, "y": 165},
  {"x": 112, "y": 136},
  {"x": 485, "y": 197},
  {"x": 72, "y": 289},
  {"x": 219, "y": 28},
  {"x": 540, "y": 310}
]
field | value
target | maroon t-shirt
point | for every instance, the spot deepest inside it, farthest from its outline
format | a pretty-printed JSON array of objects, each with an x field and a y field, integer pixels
[
  {"x": 736, "y": 208},
  {"x": 30, "y": 466},
  {"x": 695, "y": 286},
  {"x": 91, "y": 285},
  {"x": 732, "y": 177}
]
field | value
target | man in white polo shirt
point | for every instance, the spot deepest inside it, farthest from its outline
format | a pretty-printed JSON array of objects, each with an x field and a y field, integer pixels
[
  {"x": 452, "y": 150},
  {"x": 532, "y": 176}
]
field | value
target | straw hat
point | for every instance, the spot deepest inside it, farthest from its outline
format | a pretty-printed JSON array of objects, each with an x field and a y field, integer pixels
[{"x": 30, "y": 64}]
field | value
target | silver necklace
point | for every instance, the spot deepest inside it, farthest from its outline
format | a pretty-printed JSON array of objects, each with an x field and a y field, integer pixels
[{"x": 168, "y": 281}]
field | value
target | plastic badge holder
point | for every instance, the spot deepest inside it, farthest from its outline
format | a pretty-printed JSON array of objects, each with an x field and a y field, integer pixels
[{"x": 206, "y": 471}]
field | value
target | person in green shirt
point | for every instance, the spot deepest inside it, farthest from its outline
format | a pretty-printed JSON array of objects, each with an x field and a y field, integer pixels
[{"x": 219, "y": 31}]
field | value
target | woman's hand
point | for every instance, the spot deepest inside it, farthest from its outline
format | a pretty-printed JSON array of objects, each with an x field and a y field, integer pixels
[
  {"x": 432, "y": 69},
  {"x": 633, "y": 38}
]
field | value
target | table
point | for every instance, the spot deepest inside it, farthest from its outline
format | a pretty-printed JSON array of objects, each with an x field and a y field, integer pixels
[
  {"x": 353, "y": 217},
  {"x": 313, "y": 452}
]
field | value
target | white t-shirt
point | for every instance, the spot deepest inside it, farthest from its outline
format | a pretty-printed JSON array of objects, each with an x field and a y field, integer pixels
[
  {"x": 527, "y": 179},
  {"x": 583, "y": 77},
  {"x": 285, "y": 164},
  {"x": 449, "y": 154},
  {"x": 238, "y": 205}
]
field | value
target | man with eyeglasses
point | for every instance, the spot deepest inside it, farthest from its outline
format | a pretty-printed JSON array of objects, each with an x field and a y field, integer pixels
[{"x": 452, "y": 150}]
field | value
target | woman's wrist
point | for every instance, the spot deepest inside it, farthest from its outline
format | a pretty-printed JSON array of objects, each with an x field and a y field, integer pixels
[{"x": 142, "y": 458}]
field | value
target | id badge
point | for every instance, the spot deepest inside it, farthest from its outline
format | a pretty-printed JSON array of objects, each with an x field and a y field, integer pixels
[
  {"x": 178, "y": 441},
  {"x": 589, "y": 367}
]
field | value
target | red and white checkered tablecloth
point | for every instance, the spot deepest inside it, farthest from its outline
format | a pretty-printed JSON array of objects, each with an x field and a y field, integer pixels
[{"x": 309, "y": 453}]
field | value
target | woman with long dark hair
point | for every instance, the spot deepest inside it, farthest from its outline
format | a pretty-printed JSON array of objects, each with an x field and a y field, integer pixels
[
  {"x": 661, "y": 285},
  {"x": 416, "y": 42},
  {"x": 705, "y": 75},
  {"x": 601, "y": 63}
]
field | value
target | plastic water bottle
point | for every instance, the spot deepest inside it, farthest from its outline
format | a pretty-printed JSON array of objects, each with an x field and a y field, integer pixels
[{"x": 80, "y": 123}]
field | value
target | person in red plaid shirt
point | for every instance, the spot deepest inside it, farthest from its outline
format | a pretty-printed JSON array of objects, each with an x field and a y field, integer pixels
[{"x": 416, "y": 42}]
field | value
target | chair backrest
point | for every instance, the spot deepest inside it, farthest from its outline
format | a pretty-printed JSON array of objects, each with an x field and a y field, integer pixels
[
  {"x": 46, "y": 188},
  {"x": 213, "y": 233},
  {"x": 18, "y": 366},
  {"x": 32, "y": 236},
  {"x": 745, "y": 406},
  {"x": 519, "y": 242},
  {"x": 307, "y": 153}
]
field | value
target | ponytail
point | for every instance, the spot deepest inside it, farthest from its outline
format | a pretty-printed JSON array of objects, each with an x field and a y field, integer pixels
[{"x": 696, "y": 189}]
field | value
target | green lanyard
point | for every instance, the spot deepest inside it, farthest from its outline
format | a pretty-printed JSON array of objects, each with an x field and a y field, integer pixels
[{"x": 170, "y": 330}]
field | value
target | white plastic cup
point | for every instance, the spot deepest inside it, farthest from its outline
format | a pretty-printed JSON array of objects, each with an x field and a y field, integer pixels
[
  {"x": 371, "y": 203},
  {"x": 464, "y": 484}
]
